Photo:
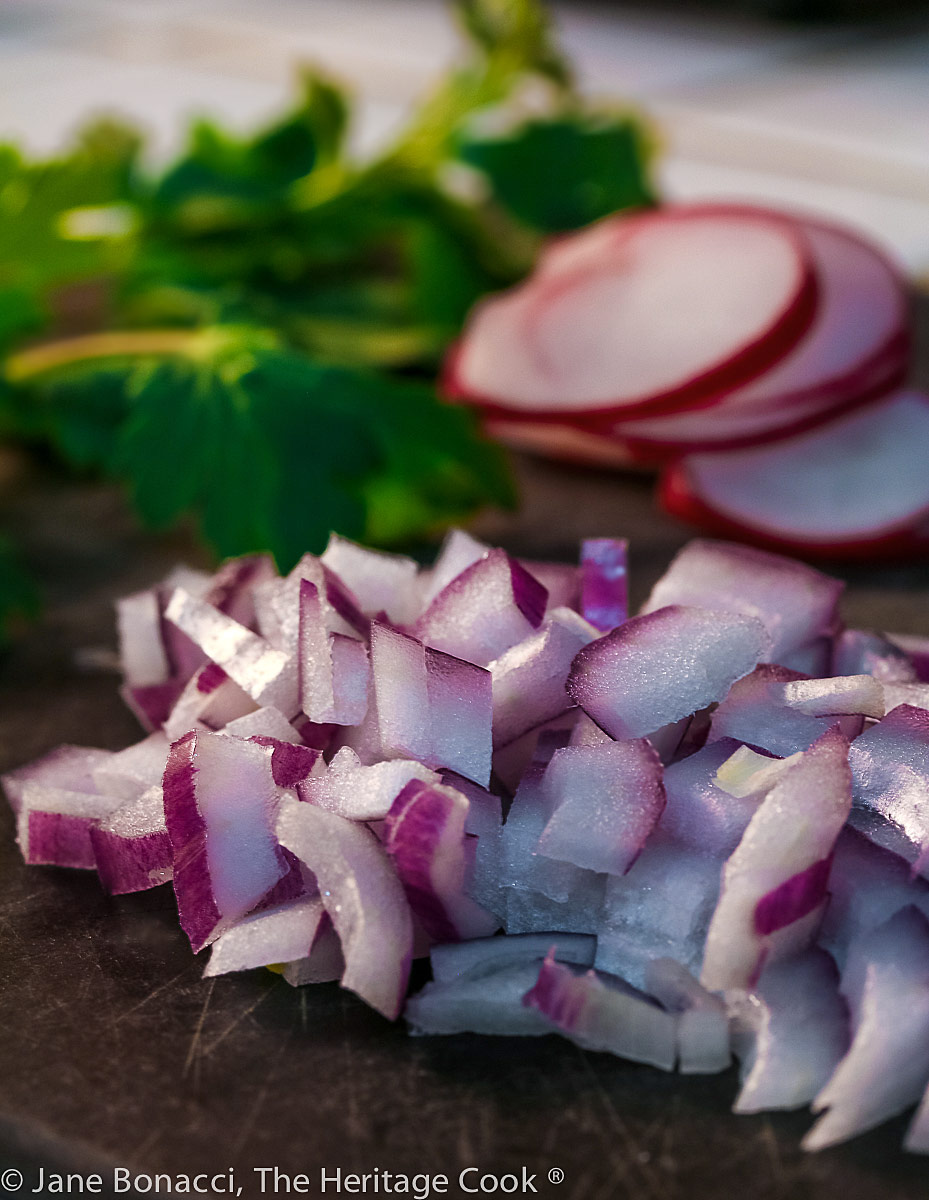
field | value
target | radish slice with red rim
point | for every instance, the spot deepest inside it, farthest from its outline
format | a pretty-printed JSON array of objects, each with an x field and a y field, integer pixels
[
  {"x": 580, "y": 340},
  {"x": 857, "y": 484},
  {"x": 856, "y": 347}
]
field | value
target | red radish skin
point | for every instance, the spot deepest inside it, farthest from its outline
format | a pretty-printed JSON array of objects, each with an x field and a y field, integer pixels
[
  {"x": 742, "y": 356},
  {"x": 816, "y": 495}
]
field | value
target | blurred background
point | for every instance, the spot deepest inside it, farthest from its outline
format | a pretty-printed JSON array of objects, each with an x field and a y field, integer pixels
[{"x": 820, "y": 102}]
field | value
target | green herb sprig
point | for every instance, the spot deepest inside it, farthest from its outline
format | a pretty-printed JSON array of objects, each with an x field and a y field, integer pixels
[{"x": 250, "y": 337}]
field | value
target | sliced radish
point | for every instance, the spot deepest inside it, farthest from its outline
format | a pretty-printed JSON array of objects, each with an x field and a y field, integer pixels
[
  {"x": 856, "y": 347},
  {"x": 635, "y": 327},
  {"x": 853, "y": 487}
]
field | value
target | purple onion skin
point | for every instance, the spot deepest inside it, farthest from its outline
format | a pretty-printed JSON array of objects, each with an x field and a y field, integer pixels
[
  {"x": 415, "y": 851},
  {"x": 210, "y": 677},
  {"x": 60, "y": 840},
  {"x": 795, "y": 898},
  {"x": 290, "y": 762},
  {"x": 127, "y": 864},
  {"x": 530, "y": 596},
  {"x": 199, "y": 915},
  {"x": 604, "y": 586}
]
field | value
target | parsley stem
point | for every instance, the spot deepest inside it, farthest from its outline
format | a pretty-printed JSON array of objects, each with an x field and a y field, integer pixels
[{"x": 116, "y": 344}]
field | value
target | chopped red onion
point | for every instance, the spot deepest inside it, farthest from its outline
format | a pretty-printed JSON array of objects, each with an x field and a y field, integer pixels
[
  {"x": 332, "y": 669},
  {"x": 131, "y": 847},
  {"x": 489, "y": 1003},
  {"x": 363, "y": 896},
  {"x": 382, "y": 584},
  {"x": 604, "y": 582},
  {"x": 483, "y": 956},
  {"x": 702, "y": 1024},
  {"x": 859, "y": 651},
  {"x": 890, "y": 769},
  {"x": 701, "y": 812},
  {"x": 602, "y": 1016},
  {"x": 886, "y": 985},
  {"x": 282, "y": 934},
  {"x": 794, "y": 602},
  {"x": 789, "y": 1031},
  {"x": 68, "y": 767},
  {"x": 486, "y": 609},
  {"x": 131, "y": 772},
  {"x": 665, "y": 665},
  {"x": 359, "y": 792},
  {"x": 529, "y": 679},
  {"x": 605, "y": 801},
  {"x": 774, "y": 883},
  {"x": 53, "y": 825},
  {"x": 425, "y": 837},
  {"x": 220, "y": 802}
]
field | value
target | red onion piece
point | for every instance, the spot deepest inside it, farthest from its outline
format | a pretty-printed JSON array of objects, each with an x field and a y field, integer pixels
[
  {"x": 429, "y": 706},
  {"x": 483, "y": 956},
  {"x": 579, "y": 339},
  {"x": 220, "y": 803},
  {"x": 600, "y": 1016},
  {"x": 266, "y": 674},
  {"x": 425, "y": 837},
  {"x": 890, "y": 769},
  {"x": 860, "y": 651},
  {"x": 131, "y": 848},
  {"x": 363, "y": 896},
  {"x": 794, "y": 828},
  {"x": 490, "y": 1004},
  {"x": 459, "y": 551},
  {"x": 362, "y": 793},
  {"x": 129, "y": 773},
  {"x": 605, "y": 802},
  {"x": 662, "y": 666},
  {"x": 53, "y": 825},
  {"x": 886, "y": 985},
  {"x": 794, "y": 602},
  {"x": 529, "y": 679},
  {"x": 702, "y": 1025},
  {"x": 68, "y": 767},
  {"x": 488, "y": 607},
  {"x": 660, "y": 909},
  {"x": 604, "y": 582},
  {"x": 789, "y": 1032},
  {"x": 333, "y": 670},
  {"x": 382, "y": 584},
  {"x": 281, "y": 934},
  {"x": 700, "y": 812}
]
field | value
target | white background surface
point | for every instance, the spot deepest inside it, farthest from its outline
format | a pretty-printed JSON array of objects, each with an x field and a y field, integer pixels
[{"x": 835, "y": 120}]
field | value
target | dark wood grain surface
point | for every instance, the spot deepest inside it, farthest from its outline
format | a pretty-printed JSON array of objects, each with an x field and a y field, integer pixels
[{"x": 114, "y": 1051}]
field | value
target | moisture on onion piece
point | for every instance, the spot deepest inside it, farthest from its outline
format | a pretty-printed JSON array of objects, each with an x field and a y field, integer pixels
[{"x": 332, "y": 825}]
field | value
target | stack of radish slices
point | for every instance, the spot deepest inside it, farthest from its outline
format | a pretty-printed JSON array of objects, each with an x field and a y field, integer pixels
[
  {"x": 757, "y": 358},
  {"x": 684, "y": 835}
]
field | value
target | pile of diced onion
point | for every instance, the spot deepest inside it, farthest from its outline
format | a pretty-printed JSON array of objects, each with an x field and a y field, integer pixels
[
  {"x": 698, "y": 832},
  {"x": 758, "y": 358}
]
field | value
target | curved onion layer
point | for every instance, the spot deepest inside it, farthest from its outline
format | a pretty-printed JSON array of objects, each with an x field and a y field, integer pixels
[
  {"x": 886, "y": 1069},
  {"x": 789, "y": 1031},
  {"x": 580, "y": 338},
  {"x": 335, "y": 851},
  {"x": 662, "y": 666}
]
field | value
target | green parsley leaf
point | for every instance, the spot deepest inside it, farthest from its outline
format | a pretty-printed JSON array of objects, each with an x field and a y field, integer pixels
[{"x": 563, "y": 173}]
